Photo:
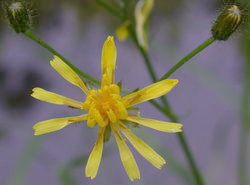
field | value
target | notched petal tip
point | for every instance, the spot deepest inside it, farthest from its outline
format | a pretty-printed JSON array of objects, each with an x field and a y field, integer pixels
[
  {"x": 170, "y": 82},
  {"x": 110, "y": 39},
  {"x": 178, "y": 127},
  {"x": 134, "y": 178},
  {"x": 36, "y": 133},
  {"x": 35, "y": 92},
  {"x": 174, "y": 81},
  {"x": 31, "y": 93},
  {"x": 54, "y": 60},
  {"x": 109, "y": 42}
]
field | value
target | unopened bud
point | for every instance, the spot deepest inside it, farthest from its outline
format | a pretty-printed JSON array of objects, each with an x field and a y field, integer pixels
[
  {"x": 227, "y": 22},
  {"x": 18, "y": 15}
]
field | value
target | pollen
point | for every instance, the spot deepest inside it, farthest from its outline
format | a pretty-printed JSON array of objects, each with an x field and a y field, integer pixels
[{"x": 104, "y": 106}]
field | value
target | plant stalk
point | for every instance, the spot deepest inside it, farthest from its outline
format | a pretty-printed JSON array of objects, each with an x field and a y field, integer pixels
[
  {"x": 35, "y": 38},
  {"x": 188, "y": 57}
]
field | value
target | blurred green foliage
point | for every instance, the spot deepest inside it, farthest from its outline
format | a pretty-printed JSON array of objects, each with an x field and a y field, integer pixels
[{"x": 65, "y": 173}]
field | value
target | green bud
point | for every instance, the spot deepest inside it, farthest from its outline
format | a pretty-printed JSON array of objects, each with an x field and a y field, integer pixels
[
  {"x": 227, "y": 22},
  {"x": 18, "y": 15}
]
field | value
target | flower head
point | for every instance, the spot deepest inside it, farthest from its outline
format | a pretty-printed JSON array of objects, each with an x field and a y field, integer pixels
[
  {"x": 108, "y": 110},
  {"x": 228, "y": 21},
  {"x": 18, "y": 15}
]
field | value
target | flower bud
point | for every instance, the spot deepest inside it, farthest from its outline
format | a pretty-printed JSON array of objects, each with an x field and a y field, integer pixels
[
  {"x": 18, "y": 15},
  {"x": 227, "y": 22}
]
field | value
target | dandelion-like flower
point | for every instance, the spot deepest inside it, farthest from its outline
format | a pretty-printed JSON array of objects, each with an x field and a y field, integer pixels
[{"x": 109, "y": 110}]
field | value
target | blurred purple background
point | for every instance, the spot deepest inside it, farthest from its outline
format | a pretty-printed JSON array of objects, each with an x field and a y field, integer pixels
[{"x": 207, "y": 98}]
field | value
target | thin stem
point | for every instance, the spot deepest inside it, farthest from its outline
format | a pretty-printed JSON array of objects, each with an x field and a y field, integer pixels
[
  {"x": 148, "y": 63},
  {"x": 186, "y": 148},
  {"x": 111, "y": 9},
  {"x": 167, "y": 112},
  {"x": 245, "y": 125},
  {"x": 188, "y": 57},
  {"x": 242, "y": 162},
  {"x": 183, "y": 142},
  {"x": 52, "y": 50}
]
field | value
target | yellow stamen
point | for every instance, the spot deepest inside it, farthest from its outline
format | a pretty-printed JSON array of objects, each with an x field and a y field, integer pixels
[{"x": 105, "y": 105}]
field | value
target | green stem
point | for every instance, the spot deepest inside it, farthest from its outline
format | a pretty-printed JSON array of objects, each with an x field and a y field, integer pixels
[
  {"x": 185, "y": 147},
  {"x": 147, "y": 63},
  {"x": 152, "y": 73},
  {"x": 167, "y": 112},
  {"x": 111, "y": 9},
  {"x": 183, "y": 142},
  {"x": 242, "y": 162},
  {"x": 245, "y": 125},
  {"x": 188, "y": 57},
  {"x": 52, "y": 50}
]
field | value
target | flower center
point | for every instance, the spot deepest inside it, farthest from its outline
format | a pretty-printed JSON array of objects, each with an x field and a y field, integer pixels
[{"x": 105, "y": 105}]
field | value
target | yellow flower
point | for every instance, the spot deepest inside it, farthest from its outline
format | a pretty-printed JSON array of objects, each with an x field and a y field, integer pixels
[{"x": 106, "y": 108}]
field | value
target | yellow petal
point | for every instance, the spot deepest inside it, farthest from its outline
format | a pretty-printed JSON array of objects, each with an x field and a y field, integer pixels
[
  {"x": 109, "y": 55},
  {"x": 52, "y": 125},
  {"x": 127, "y": 158},
  {"x": 54, "y": 98},
  {"x": 156, "y": 124},
  {"x": 95, "y": 156},
  {"x": 152, "y": 91},
  {"x": 145, "y": 150},
  {"x": 68, "y": 74}
]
